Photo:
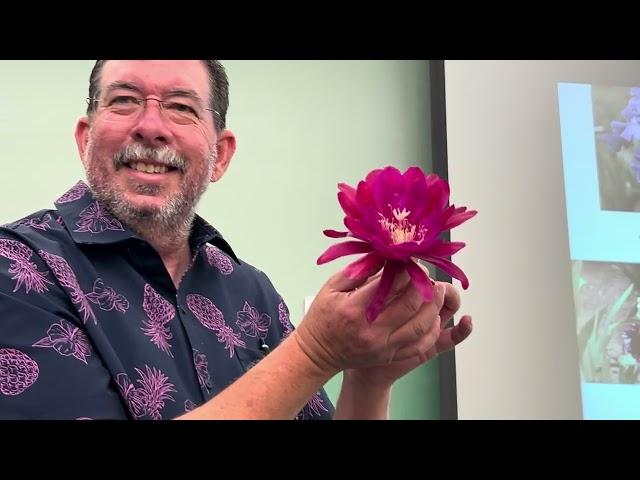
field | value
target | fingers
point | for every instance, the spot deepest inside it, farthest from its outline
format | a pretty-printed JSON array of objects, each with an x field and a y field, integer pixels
[
  {"x": 422, "y": 346},
  {"x": 451, "y": 302},
  {"x": 436, "y": 342},
  {"x": 419, "y": 324},
  {"x": 366, "y": 293},
  {"x": 451, "y": 337},
  {"x": 341, "y": 283}
]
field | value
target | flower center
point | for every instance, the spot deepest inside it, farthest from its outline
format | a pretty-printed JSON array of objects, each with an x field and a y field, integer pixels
[{"x": 400, "y": 229}]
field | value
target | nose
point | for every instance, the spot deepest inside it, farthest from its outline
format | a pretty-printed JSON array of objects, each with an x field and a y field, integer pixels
[{"x": 151, "y": 127}]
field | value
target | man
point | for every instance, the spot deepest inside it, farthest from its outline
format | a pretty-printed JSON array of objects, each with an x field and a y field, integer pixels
[{"x": 122, "y": 303}]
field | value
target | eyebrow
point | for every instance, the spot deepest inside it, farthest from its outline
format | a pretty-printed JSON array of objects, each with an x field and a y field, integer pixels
[
  {"x": 178, "y": 92},
  {"x": 122, "y": 86}
]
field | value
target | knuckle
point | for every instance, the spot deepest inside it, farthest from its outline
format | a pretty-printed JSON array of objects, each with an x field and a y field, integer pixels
[{"x": 419, "y": 328}]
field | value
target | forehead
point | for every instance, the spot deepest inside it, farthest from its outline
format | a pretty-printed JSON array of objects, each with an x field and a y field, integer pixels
[{"x": 158, "y": 76}]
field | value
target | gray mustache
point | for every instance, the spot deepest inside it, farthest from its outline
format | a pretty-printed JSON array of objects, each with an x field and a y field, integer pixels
[{"x": 137, "y": 152}]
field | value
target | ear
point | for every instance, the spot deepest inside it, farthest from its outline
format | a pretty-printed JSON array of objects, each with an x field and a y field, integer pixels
[
  {"x": 226, "y": 147},
  {"x": 82, "y": 136}
]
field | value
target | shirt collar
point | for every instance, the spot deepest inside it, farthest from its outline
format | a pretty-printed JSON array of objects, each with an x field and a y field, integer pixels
[{"x": 89, "y": 222}]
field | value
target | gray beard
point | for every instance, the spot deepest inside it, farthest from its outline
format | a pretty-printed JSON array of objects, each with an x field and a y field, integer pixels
[{"x": 164, "y": 226}]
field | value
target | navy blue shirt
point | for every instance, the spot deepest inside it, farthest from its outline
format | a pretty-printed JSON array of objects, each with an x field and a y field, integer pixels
[{"x": 92, "y": 326}]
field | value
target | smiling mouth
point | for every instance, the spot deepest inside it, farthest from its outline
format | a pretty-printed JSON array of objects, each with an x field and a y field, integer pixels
[{"x": 149, "y": 167}]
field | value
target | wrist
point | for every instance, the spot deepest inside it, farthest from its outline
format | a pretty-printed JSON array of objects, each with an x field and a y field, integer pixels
[
  {"x": 363, "y": 382},
  {"x": 309, "y": 361}
]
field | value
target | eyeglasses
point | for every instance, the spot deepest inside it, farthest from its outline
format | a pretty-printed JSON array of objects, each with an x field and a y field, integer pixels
[{"x": 181, "y": 112}]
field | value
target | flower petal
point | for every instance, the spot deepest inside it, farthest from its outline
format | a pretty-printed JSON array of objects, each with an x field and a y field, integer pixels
[
  {"x": 437, "y": 197},
  {"x": 388, "y": 188},
  {"x": 413, "y": 174},
  {"x": 365, "y": 266},
  {"x": 358, "y": 228},
  {"x": 342, "y": 249},
  {"x": 349, "y": 205},
  {"x": 420, "y": 279},
  {"x": 335, "y": 234},
  {"x": 377, "y": 302},
  {"x": 444, "y": 249},
  {"x": 348, "y": 191},
  {"x": 414, "y": 199},
  {"x": 448, "y": 267},
  {"x": 458, "y": 217},
  {"x": 367, "y": 204}
]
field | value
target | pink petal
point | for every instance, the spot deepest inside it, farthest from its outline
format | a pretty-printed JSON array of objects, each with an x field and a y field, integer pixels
[
  {"x": 413, "y": 174},
  {"x": 348, "y": 191},
  {"x": 388, "y": 188},
  {"x": 420, "y": 280},
  {"x": 342, "y": 249},
  {"x": 448, "y": 267},
  {"x": 444, "y": 249},
  {"x": 357, "y": 228},
  {"x": 365, "y": 266},
  {"x": 414, "y": 199},
  {"x": 348, "y": 204},
  {"x": 437, "y": 197},
  {"x": 335, "y": 234},
  {"x": 367, "y": 204},
  {"x": 459, "y": 216},
  {"x": 377, "y": 302},
  {"x": 373, "y": 176}
]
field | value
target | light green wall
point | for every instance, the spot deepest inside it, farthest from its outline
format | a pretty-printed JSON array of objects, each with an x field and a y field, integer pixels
[{"x": 302, "y": 127}]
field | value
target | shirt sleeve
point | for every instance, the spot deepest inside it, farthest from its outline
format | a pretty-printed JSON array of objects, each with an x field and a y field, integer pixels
[{"x": 48, "y": 367}]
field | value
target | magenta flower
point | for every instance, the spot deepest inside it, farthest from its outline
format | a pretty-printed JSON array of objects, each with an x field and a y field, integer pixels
[{"x": 396, "y": 219}]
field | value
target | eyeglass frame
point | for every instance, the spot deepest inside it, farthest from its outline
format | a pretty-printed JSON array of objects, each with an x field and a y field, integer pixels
[{"x": 145, "y": 100}]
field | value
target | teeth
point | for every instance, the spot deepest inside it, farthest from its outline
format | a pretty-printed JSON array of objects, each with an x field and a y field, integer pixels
[{"x": 143, "y": 167}]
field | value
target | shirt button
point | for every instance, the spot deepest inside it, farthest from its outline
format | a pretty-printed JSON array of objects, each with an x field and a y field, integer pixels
[
  {"x": 208, "y": 384},
  {"x": 183, "y": 310}
]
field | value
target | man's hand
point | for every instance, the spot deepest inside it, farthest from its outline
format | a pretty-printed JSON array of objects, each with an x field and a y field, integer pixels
[
  {"x": 383, "y": 376},
  {"x": 336, "y": 335}
]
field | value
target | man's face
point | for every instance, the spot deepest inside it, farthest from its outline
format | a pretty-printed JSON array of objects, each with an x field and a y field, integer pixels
[{"x": 145, "y": 161}]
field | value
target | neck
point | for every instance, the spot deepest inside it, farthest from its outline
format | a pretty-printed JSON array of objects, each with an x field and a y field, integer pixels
[
  {"x": 176, "y": 259},
  {"x": 174, "y": 249}
]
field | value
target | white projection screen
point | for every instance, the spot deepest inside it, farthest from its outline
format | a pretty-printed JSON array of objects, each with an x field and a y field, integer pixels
[{"x": 548, "y": 152}]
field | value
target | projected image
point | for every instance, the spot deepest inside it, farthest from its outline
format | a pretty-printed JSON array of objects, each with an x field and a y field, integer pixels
[
  {"x": 608, "y": 321},
  {"x": 616, "y": 114}
]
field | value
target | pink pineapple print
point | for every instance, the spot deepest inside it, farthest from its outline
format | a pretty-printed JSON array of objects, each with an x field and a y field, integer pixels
[
  {"x": 312, "y": 408},
  {"x": 133, "y": 396},
  {"x": 283, "y": 316},
  {"x": 95, "y": 219},
  {"x": 159, "y": 312},
  {"x": 23, "y": 270},
  {"x": 66, "y": 339},
  {"x": 67, "y": 279},
  {"x": 150, "y": 397},
  {"x": 219, "y": 260},
  {"x": 253, "y": 323},
  {"x": 18, "y": 371},
  {"x": 37, "y": 223},
  {"x": 75, "y": 193},
  {"x": 211, "y": 317},
  {"x": 156, "y": 388}
]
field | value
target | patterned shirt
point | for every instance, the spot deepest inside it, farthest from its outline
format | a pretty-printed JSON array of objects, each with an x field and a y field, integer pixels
[{"x": 92, "y": 326}]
